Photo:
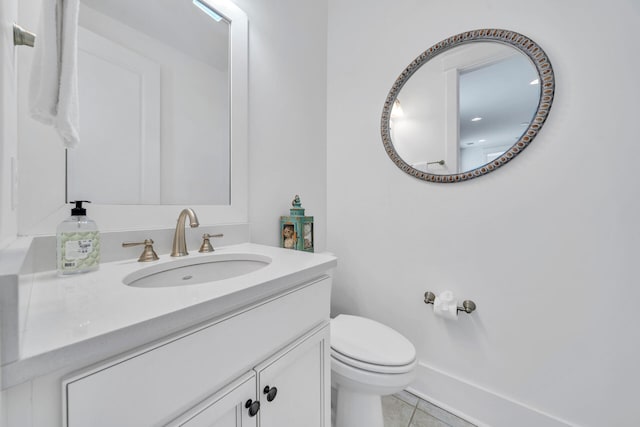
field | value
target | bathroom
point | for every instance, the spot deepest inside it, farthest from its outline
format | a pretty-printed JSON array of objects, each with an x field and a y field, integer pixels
[{"x": 544, "y": 245}]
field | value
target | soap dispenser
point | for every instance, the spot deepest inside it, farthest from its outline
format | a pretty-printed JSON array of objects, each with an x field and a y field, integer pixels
[{"x": 78, "y": 247}]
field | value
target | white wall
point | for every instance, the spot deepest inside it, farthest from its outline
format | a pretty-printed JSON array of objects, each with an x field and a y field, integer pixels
[
  {"x": 8, "y": 121},
  {"x": 545, "y": 246},
  {"x": 287, "y": 113}
]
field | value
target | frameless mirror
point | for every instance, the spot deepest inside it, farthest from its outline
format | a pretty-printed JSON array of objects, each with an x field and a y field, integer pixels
[
  {"x": 467, "y": 105},
  {"x": 154, "y": 88}
]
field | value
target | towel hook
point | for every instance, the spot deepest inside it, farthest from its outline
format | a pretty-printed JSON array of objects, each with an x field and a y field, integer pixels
[{"x": 22, "y": 37}]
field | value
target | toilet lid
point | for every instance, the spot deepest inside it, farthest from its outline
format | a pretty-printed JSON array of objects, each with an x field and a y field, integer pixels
[{"x": 371, "y": 342}]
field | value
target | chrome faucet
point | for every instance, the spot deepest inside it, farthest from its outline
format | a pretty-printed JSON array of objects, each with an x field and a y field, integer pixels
[{"x": 179, "y": 243}]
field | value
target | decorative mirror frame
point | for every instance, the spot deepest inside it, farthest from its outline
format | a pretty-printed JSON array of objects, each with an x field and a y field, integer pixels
[{"x": 511, "y": 38}]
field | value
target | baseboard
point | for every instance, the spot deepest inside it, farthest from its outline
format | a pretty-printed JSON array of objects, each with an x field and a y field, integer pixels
[{"x": 476, "y": 404}]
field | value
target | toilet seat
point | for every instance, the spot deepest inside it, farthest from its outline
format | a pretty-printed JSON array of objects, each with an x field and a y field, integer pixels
[
  {"x": 380, "y": 369},
  {"x": 371, "y": 346}
]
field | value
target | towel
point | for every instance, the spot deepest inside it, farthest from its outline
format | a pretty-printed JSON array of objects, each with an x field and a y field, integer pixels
[{"x": 53, "y": 92}]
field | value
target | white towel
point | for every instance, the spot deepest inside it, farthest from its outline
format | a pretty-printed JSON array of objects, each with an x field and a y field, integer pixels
[{"x": 53, "y": 95}]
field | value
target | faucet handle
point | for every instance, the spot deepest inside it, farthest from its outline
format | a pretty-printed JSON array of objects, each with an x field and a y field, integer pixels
[
  {"x": 148, "y": 254},
  {"x": 206, "y": 244}
]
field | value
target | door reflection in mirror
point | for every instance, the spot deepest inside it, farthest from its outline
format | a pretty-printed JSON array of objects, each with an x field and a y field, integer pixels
[
  {"x": 503, "y": 94},
  {"x": 154, "y": 104}
]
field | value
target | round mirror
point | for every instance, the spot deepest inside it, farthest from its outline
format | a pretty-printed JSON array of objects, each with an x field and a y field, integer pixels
[{"x": 467, "y": 105}]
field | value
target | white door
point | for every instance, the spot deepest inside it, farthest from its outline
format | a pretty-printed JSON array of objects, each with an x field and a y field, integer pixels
[
  {"x": 233, "y": 406},
  {"x": 127, "y": 136},
  {"x": 294, "y": 386}
]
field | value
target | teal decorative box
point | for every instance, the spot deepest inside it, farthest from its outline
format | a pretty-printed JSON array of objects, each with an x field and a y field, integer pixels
[{"x": 296, "y": 230}]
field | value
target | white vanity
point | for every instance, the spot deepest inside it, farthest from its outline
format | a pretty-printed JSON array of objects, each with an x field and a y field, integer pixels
[{"x": 248, "y": 350}]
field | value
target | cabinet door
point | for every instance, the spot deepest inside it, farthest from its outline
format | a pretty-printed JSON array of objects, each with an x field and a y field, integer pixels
[
  {"x": 227, "y": 408},
  {"x": 301, "y": 377}
]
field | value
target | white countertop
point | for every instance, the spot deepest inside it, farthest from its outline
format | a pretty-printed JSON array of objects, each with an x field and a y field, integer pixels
[{"x": 88, "y": 317}]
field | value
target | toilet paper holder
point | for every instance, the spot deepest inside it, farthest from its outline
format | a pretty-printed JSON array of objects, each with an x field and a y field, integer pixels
[{"x": 468, "y": 306}]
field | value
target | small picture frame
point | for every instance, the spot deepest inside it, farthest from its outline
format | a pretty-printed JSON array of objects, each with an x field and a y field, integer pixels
[{"x": 288, "y": 235}]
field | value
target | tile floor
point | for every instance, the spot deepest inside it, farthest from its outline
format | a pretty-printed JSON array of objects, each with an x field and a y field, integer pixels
[{"x": 406, "y": 410}]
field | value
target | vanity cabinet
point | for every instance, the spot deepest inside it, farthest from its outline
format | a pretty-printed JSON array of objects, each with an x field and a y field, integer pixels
[
  {"x": 275, "y": 352},
  {"x": 287, "y": 390}
]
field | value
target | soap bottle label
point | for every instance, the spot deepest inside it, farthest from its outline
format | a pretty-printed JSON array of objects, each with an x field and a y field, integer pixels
[{"x": 80, "y": 251}]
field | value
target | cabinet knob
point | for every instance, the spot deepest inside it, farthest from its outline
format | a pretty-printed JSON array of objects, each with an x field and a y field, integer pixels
[
  {"x": 253, "y": 407},
  {"x": 271, "y": 393}
]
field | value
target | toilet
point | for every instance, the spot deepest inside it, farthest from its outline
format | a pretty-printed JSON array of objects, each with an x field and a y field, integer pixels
[{"x": 368, "y": 360}]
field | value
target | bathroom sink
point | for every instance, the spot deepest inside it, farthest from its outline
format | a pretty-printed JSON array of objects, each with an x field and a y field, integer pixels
[{"x": 195, "y": 271}]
